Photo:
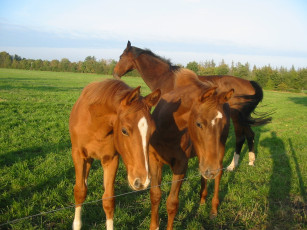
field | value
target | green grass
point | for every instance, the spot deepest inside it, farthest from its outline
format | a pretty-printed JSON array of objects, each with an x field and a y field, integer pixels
[{"x": 37, "y": 173}]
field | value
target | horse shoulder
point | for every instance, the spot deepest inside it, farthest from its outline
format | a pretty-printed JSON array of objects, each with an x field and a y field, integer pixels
[{"x": 92, "y": 130}]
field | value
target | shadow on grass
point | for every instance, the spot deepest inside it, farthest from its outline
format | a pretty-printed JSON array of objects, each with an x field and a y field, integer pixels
[
  {"x": 29, "y": 158},
  {"x": 41, "y": 88},
  {"x": 298, "y": 171},
  {"x": 299, "y": 100},
  {"x": 279, "y": 213},
  {"x": 10, "y": 158}
]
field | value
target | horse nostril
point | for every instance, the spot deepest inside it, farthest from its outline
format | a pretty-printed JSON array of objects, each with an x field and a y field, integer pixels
[{"x": 137, "y": 183}]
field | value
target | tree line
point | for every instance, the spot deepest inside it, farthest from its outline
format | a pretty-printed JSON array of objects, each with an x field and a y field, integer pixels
[{"x": 282, "y": 79}]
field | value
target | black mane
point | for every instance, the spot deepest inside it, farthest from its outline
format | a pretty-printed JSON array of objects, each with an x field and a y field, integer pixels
[{"x": 137, "y": 52}]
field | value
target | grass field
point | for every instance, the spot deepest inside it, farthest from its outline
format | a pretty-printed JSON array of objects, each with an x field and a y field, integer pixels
[{"x": 37, "y": 173}]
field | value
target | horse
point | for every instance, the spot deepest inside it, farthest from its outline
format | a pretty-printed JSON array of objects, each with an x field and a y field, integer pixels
[
  {"x": 157, "y": 72},
  {"x": 110, "y": 119},
  {"x": 191, "y": 120}
]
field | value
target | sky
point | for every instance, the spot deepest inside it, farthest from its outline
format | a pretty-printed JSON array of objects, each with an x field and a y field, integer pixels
[{"x": 260, "y": 32}]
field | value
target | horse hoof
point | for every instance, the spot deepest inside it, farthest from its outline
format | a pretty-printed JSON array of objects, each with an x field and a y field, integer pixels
[
  {"x": 213, "y": 216},
  {"x": 230, "y": 169},
  {"x": 202, "y": 202}
]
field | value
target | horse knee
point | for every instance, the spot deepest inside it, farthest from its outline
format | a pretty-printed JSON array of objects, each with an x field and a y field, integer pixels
[
  {"x": 80, "y": 194},
  {"x": 108, "y": 205},
  {"x": 155, "y": 196}
]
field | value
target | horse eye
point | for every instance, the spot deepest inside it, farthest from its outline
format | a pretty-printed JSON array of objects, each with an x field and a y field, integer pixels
[
  {"x": 198, "y": 124},
  {"x": 125, "y": 132}
]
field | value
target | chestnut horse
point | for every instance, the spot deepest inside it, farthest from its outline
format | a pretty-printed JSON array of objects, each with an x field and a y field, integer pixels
[
  {"x": 108, "y": 119},
  {"x": 158, "y": 72},
  {"x": 191, "y": 120}
]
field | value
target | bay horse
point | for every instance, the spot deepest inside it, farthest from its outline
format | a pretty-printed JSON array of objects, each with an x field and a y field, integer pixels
[
  {"x": 110, "y": 119},
  {"x": 191, "y": 120},
  {"x": 159, "y": 73}
]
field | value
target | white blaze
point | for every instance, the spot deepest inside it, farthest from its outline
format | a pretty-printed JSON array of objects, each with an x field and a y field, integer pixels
[
  {"x": 219, "y": 115},
  {"x": 143, "y": 127}
]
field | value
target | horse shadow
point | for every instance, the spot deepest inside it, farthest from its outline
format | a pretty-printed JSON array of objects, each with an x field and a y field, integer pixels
[
  {"x": 280, "y": 182},
  {"x": 299, "y": 100},
  {"x": 298, "y": 171}
]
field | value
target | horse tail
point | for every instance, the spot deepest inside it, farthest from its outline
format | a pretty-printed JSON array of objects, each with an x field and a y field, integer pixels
[{"x": 249, "y": 106}]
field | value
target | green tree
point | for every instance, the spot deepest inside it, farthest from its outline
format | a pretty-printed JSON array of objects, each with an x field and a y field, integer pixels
[
  {"x": 17, "y": 58},
  {"x": 65, "y": 65},
  {"x": 37, "y": 64},
  {"x": 222, "y": 69},
  {"x": 242, "y": 71},
  {"x": 193, "y": 66},
  {"x": 54, "y": 65},
  {"x": 262, "y": 75},
  {"x": 90, "y": 64},
  {"x": 5, "y": 60},
  {"x": 302, "y": 73},
  {"x": 46, "y": 65},
  {"x": 112, "y": 64}
]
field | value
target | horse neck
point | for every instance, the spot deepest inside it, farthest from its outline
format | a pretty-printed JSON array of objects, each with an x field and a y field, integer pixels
[{"x": 155, "y": 73}]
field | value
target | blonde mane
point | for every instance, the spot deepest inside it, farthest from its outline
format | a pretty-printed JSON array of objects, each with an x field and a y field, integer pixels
[{"x": 105, "y": 91}]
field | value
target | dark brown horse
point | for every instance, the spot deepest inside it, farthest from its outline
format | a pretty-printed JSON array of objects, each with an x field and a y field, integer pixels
[
  {"x": 159, "y": 73},
  {"x": 108, "y": 119},
  {"x": 191, "y": 120}
]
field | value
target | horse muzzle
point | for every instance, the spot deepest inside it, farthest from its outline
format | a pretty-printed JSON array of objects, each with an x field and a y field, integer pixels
[
  {"x": 210, "y": 174},
  {"x": 137, "y": 184}
]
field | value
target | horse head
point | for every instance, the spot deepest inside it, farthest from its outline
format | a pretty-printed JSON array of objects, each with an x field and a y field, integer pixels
[
  {"x": 208, "y": 128},
  {"x": 132, "y": 128},
  {"x": 125, "y": 63}
]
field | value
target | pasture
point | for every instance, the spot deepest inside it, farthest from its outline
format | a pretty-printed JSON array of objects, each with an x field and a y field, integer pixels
[{"x": 37, "y": 172}]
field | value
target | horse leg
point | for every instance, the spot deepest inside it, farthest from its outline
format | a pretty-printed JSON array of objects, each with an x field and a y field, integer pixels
[
  {"x": 203, "y": 190},
  {"x": 108, "y": 200},
  {"x": 240, "y": 138},
  {"x": 155, "y": 190},
  {"x": 88, "y": 167},
  {"x": 215, "y": 199},
  {"x": 172, "y": 202},
  {"x": 80, "y": 188},
  {"x": 250, "y": 136}
]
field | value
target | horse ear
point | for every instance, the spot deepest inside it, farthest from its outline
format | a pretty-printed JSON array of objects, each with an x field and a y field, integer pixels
[
  {"x": 128, "y": 45},
  {"x": 208, "y": 93},
  {"x": 132, "y": 96},
  {"x": 153, "y": 98},
  {"x": 224, "y": 97}
]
